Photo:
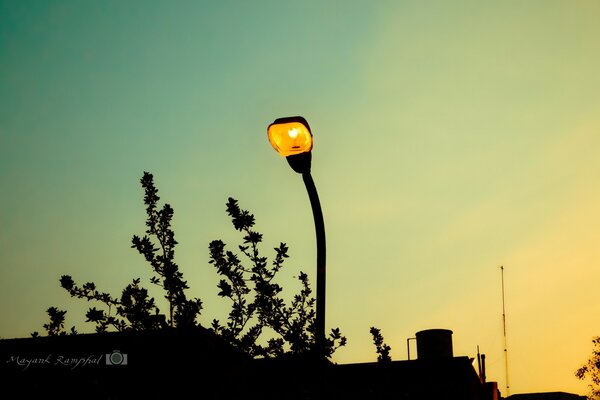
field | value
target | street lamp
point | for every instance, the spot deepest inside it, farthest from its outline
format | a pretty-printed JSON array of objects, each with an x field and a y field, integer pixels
[{"x": 291, "y": 137}]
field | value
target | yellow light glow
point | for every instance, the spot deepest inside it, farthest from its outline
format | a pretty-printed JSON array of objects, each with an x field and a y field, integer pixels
[{"x": 290, "y": 138}]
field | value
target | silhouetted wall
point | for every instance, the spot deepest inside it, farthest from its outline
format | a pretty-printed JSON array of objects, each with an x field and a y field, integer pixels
[{"x": 198, "y": 364}]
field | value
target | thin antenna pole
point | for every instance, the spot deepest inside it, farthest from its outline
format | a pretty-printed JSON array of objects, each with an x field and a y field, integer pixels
[{"x": 504, "y": 328}]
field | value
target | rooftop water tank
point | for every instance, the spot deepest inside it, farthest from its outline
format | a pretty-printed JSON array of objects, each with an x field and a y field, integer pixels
[{"x": 434, "y": 343}]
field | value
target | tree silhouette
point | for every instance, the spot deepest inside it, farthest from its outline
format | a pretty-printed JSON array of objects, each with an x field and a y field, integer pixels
[
  {"x": 382, "y": 349},
  {"x": 255, "y": 298},
  {"x": 182, "y": 312},
  {"x": 591, "y": 370},
  {"x": 135, "y": 310},
  {"x": 56, "y": 326}
]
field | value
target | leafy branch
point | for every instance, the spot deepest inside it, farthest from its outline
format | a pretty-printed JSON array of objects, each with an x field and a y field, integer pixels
[
  {"x": 591, "y": 370},
  {"x": 56, "y": 326},
  {"x": 160, "y": 253},
  {"x": 382, "y": 349},
  {"x": 136, "y": 310}
]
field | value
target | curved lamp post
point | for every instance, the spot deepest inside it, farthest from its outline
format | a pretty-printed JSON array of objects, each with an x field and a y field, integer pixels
[{"x": 291, "y": 137}]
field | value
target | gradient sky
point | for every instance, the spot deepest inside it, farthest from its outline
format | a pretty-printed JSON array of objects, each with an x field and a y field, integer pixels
[{"x": 450, "y": 138}]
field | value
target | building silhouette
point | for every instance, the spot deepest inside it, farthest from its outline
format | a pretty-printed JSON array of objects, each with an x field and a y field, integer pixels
[{"x": 196, "y": 363}]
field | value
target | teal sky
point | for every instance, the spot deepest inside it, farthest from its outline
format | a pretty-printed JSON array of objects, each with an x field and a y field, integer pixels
[{"x": 450, "y": 138}]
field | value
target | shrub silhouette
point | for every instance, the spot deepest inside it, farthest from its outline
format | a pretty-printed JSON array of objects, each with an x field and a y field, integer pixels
[
  {"x": 591, "y": 370},
  {"x": 56, "y": 326},
  {"x": 182, "y": 312},
  {"x": 382, "y": 349},
  {"x": 255, "y": 298}
]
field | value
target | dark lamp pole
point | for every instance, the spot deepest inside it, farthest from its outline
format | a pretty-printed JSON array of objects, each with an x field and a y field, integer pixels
[{"x": 291, "y": 137}]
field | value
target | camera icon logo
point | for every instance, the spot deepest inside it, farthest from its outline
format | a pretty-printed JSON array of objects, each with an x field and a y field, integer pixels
[{"x": 116, "y": 358}]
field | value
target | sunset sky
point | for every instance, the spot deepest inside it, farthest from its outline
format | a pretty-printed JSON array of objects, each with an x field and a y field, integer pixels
[{"x": 450, "y": 138}]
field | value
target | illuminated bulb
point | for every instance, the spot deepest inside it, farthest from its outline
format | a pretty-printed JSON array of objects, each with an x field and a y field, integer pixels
[{"x": 290, "y": 136}]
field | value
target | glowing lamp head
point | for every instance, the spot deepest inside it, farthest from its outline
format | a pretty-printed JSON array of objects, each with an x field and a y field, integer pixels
[{"x": 290, "y": 136}]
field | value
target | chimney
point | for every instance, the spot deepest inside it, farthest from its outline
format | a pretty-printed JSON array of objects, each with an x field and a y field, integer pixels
[
  {"x": 434, "y": 344},
  {"x": 483, "y": 378}
]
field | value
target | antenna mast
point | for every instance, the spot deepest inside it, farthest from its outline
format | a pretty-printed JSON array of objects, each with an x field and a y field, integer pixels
[{"x": 504, "y": 328}]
